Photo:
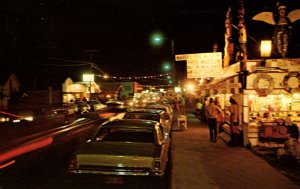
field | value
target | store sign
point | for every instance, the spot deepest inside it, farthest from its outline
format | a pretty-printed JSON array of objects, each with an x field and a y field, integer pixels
[
  {"x": 202, "y": 65},
  {"x": 88, "y": 77}
]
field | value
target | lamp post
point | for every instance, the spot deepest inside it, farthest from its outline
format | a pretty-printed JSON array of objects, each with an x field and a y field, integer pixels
[{"x": 157, "y": 38}]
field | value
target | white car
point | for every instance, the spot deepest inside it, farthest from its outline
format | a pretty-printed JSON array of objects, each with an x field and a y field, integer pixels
[
  {"x": 83, "y": 107},
  {"x": 96, "y": 105},
  {"x": 72, "y": 109}
]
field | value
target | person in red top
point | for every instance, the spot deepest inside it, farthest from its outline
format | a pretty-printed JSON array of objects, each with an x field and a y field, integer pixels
[{"x": 220, "y": 115}]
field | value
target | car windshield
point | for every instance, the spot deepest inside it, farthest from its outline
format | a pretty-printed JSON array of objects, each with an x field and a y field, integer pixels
[{"x": 126, "y": 135}]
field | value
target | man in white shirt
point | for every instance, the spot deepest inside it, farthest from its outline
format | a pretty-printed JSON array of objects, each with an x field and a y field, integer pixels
[{"x": 211, "y": 114}]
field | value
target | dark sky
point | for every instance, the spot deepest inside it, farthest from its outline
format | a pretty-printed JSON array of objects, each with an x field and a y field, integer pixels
[{"x": 45, "y": 41}]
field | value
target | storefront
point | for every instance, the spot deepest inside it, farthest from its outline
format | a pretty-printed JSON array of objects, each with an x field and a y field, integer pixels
[
  {"x": 79, "y": 90},
  {"x": 271, "y": 95}
]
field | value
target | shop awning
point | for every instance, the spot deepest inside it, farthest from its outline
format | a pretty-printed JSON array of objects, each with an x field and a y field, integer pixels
[{"x": 227, "y": 85}]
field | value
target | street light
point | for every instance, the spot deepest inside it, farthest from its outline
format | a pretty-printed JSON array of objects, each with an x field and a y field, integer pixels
[
  {"x": 166, "y": 67},
  {"x": 157, "y": 39}
]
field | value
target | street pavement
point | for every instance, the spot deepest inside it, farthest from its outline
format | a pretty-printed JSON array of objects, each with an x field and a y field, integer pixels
[{"x": 198, "y": 163}]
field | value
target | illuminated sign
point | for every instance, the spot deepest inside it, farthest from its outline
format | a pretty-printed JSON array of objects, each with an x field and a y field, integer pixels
[
  {"x": 88, "y": 77},
  {"x": 202, "y": 65}
]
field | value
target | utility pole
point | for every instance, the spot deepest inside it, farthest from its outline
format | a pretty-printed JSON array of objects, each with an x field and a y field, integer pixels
[
  {"x": 243, "y": 68},
  {"x": 91, "y": 56}
]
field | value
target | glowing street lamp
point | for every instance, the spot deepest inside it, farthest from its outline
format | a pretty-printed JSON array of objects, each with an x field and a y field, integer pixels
[
  {"x": 166, "y": 67},
  {"x": 157, "y": 39}
]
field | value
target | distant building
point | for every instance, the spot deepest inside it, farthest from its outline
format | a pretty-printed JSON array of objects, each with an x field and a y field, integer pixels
[
  {"x": 129, "y": 88},
  {"x": 110, "y": 90},
  {"x": 9, "y": 89},
  {"x": 101, "y": 91},
  {"x": 78, "y": 90}
]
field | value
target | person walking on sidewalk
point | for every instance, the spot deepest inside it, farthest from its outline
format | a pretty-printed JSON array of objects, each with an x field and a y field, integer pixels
[
  {"x": 219, "y": 116},
  {"x": 211, "y": 114}
]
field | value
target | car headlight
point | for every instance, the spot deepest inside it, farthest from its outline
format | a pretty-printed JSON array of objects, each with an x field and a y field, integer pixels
[{"x": 28, "y": 118}]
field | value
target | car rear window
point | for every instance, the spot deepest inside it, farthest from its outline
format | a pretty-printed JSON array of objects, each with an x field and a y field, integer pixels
[
  {"x": 155, "y": 117},
  {"x": 121, "y": 135}
]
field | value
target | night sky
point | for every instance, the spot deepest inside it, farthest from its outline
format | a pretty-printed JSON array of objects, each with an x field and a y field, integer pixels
[{"x": 46, "y": 41}]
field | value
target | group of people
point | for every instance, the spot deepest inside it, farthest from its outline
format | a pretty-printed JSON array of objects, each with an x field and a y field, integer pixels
[{"x": 212, "y": 113}]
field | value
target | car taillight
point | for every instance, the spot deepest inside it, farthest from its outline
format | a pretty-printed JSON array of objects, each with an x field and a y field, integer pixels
[
  {"x": 73, "y": 163},
  {"x": 157, "y": 167},
  {"x": 156, "y": 164}
]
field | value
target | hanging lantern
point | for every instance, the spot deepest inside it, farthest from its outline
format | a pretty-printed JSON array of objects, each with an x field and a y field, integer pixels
[{"x": 265, "y": 48}]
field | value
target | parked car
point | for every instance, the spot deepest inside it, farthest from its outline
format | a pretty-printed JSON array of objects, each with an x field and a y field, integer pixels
[
  {"x": 150, "y": 114},
  {"x": 72, "y": 108},
  {"x": 96, "y": 105},
  {"x": 165, "y": 107},
  {"x": 83, "y": 107},
  {"x": 114, "y": 102},
  {"x": 124, "y": 151}
]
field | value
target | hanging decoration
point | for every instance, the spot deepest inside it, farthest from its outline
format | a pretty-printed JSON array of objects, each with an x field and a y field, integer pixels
[
  {"x": 135, "y": 77},
  {"x": 283, "y": 25},
  {"x": 291, "y": 81},
  {"x": 263, "y": 84}
]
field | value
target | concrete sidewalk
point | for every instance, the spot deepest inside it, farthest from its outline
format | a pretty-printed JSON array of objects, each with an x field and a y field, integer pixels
[{"x": 198, "y": 163}]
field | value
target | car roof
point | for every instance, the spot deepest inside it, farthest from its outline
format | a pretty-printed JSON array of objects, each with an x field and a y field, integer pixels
[
  {"x": 93, "y": 100},
  {"x": 144, "y": 110},
  {"x": 132, "y": 123}
]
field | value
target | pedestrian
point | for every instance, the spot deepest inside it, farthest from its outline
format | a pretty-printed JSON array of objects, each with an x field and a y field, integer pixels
[
  {"x": 294, "y": 132},
  {"x": 220, "y": 115},
  {"x": 288, "y": 120},
  {"x": 211, "y": 114},
  {"x": 177, "y": 104},
  {"x": 182, "y": 105},
  {"x": 199, "y": 107},
  {"x": 234, "y": 121},
  {"x": 219, "y": 119}
]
